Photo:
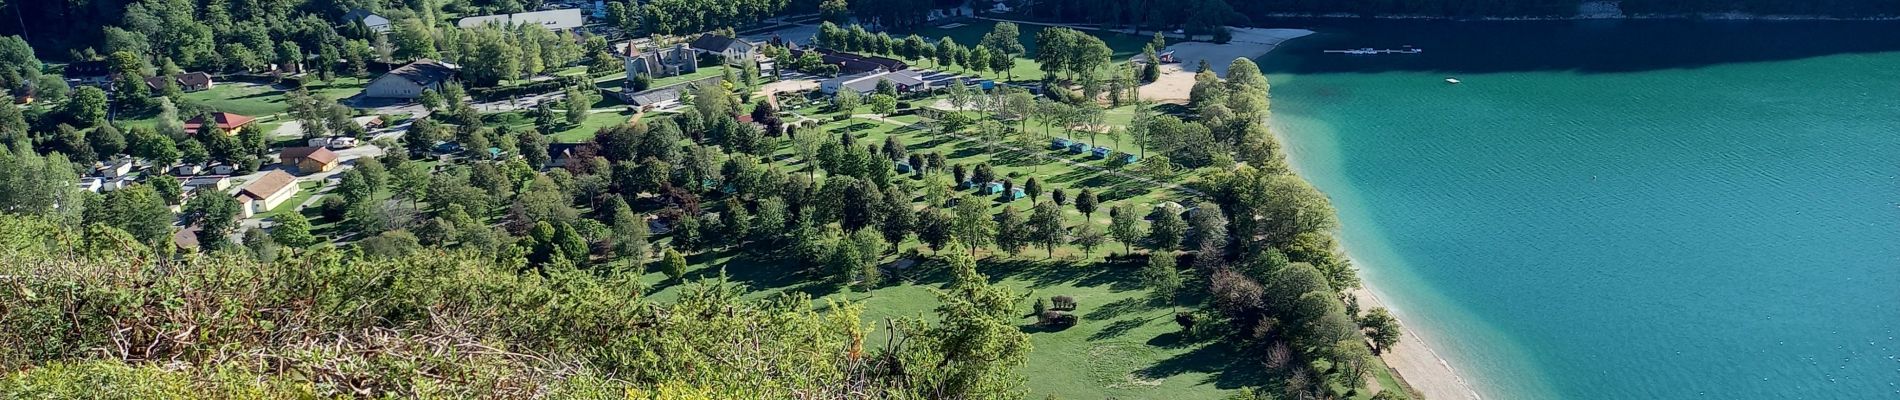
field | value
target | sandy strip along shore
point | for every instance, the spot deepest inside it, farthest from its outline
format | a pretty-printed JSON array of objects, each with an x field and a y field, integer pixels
[{"x": 1412, "y": 358}]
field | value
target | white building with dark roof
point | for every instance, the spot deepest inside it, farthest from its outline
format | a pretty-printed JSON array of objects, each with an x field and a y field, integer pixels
[{"x": 864, "y": 83}]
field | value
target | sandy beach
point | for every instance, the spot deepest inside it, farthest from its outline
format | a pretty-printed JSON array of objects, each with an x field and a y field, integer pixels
[
  {"x": 1412, "y": 358},
  {"x": 1177, "y": 79},
  {"x": 1416, "y": 363}
]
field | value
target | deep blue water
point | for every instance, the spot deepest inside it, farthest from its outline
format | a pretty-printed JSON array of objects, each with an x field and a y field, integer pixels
[{"x": 1622, "y": 209}]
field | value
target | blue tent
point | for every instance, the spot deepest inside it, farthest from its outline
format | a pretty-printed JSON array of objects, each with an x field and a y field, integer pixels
[
  {"x": 993, "y": 188},
  {"x": 1099, "y": 152},
  {"x": 965, "y": 185},
  {"x": 1078, "y": 147},
  {"x": 1129, "y": 158},
  {"x": 1059, "y": 144},
  {"x": 903, "y": 168},
  {"x": 1015, "y": 193}
]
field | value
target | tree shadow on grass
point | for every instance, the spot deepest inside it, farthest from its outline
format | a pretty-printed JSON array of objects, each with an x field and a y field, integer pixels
[
  {"x": 1118, "y": 328},
  {"x": 1120, "y": 307},
  {"x": 1228, "y": 366}
]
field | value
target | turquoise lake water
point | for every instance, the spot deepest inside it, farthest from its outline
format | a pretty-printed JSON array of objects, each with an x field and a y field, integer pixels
[{"x": 1619, "y": 209}]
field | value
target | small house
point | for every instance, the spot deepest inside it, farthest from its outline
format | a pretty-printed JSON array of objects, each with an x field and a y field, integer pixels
[
  {"x": 309, "y": 159},
  {"x": 1016, "y": 193},
  {"x": 216, "y": 183},
  {"x": 230, "y": 123},
  {"x": 88, "y": 72},
  {"x": 92, "y": 184},
  {"x": 1098, "y": 152},
  {"x": 187, "y": 238},
  {"x": 903, "y": 167},
  {"x": 188, "y": 169},
  {"x": 116, "y": 168},
  {"x": 1059, "y": 144},
  {"x": 1078, "y": 148},
  {"x": 267, "y": 192},
  {"x": 553, "y": 20},
  {"x": 342, "y": 142},
  {"x": 993, "y": 188},
  {"x": 187, "y": 82}
]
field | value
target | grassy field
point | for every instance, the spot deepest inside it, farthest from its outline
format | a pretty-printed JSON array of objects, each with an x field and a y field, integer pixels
[{"x": 260, "y": 100}]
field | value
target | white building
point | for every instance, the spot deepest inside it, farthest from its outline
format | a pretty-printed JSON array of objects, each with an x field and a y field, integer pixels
[
  {"x": 906, "y": 81},
  {"x": 267, "y": 192}
]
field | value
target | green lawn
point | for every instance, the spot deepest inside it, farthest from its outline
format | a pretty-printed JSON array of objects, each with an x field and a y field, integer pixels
[
  {"x": 305, "y": 190},
  {"x": 259, "y": 100},
  {"x": 577, "y": 133}
]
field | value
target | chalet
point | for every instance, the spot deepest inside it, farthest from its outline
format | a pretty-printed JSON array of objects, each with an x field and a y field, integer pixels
[
  {"x": 187, "y": 238},
  {"x": 560, "y": 153},
  {"x": 733, "y": 51},
  {"x": 553, "y": 20},
  {"x": 267, "y": 192},
  {"x": 211, "y": 183},
  {"x": 309, "y": 160},
  {"x": 230, "y": 123},
  {"x": 187, "y": 82},
  {"x": 376, "y": 23},
  {"x": 409, "y": 81}
]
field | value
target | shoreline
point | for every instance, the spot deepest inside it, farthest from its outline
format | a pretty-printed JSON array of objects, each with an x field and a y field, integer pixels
[{"x": 1414, "y": 362}]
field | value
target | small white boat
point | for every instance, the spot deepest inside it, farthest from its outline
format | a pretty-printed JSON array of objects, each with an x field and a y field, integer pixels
[{"x": 1453, "y": 81}]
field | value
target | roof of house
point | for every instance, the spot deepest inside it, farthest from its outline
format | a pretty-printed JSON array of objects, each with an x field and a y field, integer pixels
[
  {"x": 853, "y": 62},
  {"x": 551, "y": 19},
  {"x": 318, "y": 154},
  {"x": 866, "y": 82},
  {"x": 226, "y": 121},
  {"x": 719, "y": 44},
  {"x": 425, "y": 72},
  {"x": 87, "y": 68},
  {"x": 187, "y": 238},
  {"x": 184, "y": 80},
  {"x": 267, "y": 185}
]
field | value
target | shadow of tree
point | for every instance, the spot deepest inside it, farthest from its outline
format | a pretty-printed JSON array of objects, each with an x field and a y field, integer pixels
[
  {"x": 1118, "y": 328},
  {"x": 1228, "y": 365}
]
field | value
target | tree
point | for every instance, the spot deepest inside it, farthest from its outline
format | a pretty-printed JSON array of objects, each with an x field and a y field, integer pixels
[
  {"x": 630, "y": 235},
  {"x": 1013, "y": 232},
  {"x": 674, "y": 265},
  {"x": 883, "y": 105},
  {"x": 1033, "y": 188},
  {"x": 1045, "y": 225},
  {"x": 1123, "y": 226},
  {"x": 168, "y": 189},
  {"x": 293, "y": 230},
  {"x": 971, "y": 223},
  {"x": 137, "y": 210},
  {"x": 1087, "y": 236},
  {"x": 846, "y": 101},
  {"x": 106, "y": 141},
  {"x": 834, "y": 11},
  {"x": 1381, "y": 327},
  {"x": 577, "y": 105},
  {"x": 87, "y": 104},
  {"x": 216, "y": 216},
  {"x": 1086, "y": 203},
  {"x": 1161, "y": 277},
  {"x": 1167, "y": 230}
]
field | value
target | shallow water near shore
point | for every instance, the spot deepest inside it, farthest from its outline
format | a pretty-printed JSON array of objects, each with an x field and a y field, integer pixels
[{"x": 1618, "y": 209}]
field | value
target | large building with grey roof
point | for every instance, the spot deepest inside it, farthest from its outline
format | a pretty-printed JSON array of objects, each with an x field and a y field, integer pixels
[
  {"x": 553, "y": 20},
  {"x": 409, "y": 81}
]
